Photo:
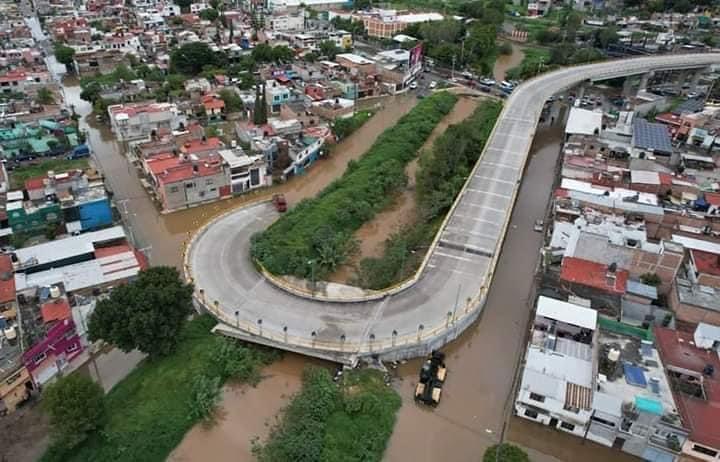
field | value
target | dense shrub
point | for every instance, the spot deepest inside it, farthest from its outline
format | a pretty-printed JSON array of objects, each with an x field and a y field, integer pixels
[
  {"x": 326, "y": 422},
  {"x": 344, "y": 127},
  {"x": 442, "y": 172},
  {"x": 316, "y": 235},
  {"x": 505, "y": 452}
]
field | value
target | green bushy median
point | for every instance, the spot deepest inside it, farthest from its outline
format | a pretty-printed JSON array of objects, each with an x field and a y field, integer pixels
[
  {"x": 317, "y": 235},
  {"x": 326, "y": 423},
  {"x": 440, "y": 177}
]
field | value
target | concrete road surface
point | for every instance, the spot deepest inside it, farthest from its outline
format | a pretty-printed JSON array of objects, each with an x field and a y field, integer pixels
[{"x": 460, "y": 265}]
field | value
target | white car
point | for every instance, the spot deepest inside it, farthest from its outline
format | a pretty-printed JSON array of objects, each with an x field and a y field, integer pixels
[
  {"x": 413, "y": 86},
  {"x": 433, "y": 84}
]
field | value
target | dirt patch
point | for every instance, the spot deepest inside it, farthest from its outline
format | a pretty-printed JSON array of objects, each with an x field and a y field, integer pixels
[
  {"x": 373, "y": 234},
  {"x": 24, "y": 434}
]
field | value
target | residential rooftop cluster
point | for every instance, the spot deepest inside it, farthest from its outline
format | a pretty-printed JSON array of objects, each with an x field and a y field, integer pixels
[{"x": 625, "y": 341}]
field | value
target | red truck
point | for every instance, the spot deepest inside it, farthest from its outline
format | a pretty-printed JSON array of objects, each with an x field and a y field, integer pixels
[{"x": 280, "y": 203}]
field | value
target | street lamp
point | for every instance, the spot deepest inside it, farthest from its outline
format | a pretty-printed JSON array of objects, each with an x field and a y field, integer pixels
[
  {"x": 237, "y": 319},
  {"x": 259, "y": 321},
  {"x": 312, "y": 276},
  {"x": 419, "y": 332}
]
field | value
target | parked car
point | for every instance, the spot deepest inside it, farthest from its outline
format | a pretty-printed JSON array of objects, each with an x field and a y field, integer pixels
[
  {"x": 539, "y": 225},
  {"x": 433, "y": 85},
  {"x": 413, "y": 86},
  {"x": 280, "y": 203}
]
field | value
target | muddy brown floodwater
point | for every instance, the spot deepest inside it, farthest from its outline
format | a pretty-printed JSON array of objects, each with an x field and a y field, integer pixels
[
  {"x": 162, "y": 236},
  {"x": 372, "y": 235},
  {"x": 244, "y": 413},
  {"x": 507, "y": 62},
  {"x": 481, "y": 363}
]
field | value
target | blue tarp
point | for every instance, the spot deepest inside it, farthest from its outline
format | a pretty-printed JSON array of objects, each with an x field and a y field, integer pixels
[{"x": 634, "y": 375}]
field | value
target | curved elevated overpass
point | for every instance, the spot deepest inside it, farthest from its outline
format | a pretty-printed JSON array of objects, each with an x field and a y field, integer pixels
[{"x": 449, "y": 291}]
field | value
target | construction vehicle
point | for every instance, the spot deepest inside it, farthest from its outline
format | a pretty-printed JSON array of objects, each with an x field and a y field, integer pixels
[{"x": 432, "y": 377}]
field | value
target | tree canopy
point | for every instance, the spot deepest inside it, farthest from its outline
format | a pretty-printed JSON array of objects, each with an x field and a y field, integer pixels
[
  {"x": 190, "y": 58},
  {"x": 264, "y": 53},
  {"x": 76, "y": 408},
  {"x": 209, "y": 14},
  {"x": 329, "y": 49},
  {"x": 505, "y": 453},
  {"x": 145, "y": 314},
  {"x": 45, "y": 96},
  {"x": 64, "y": 54},
  {"x": 233, "y": 103}
]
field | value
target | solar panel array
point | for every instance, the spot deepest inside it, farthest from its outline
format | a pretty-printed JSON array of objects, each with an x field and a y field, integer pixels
[{"x": 651, "y": 136}]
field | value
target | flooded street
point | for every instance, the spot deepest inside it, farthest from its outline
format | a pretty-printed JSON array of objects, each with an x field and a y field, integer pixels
[
  {"x": 162, "y": 236},
  {"x": 482, "y": 362},
  {"x": 372, "y": 235},
  {"x": 507, "y": 62}
]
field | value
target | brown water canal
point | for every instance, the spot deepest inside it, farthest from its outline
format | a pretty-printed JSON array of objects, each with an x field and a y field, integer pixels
[
  {"x": 372, "y": 235},
  {"x": 507, "y": 62}
]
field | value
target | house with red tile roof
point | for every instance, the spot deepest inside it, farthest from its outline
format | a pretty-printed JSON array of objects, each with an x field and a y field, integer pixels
[
  {"x": 202, "y": 148},
  {"x": 214, "y": 106},
  {"x": 180, "y": 182},
  {"x": 693, "y": 374},
  {"x": 55, "y": 310},
  {"x": 602, "y": 283}
]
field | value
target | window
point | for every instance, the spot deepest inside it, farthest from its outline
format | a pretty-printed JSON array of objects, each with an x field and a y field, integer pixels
[
  {"x": 536, "y": 397},
  {"x": 208, "y": 182},
  {"x": 567, "y": 426},
  {"x": 189, "y": 185},
  {"x": 71, "y": 348},
  {"x": 603, "y": 421},
  {"x": 39, "y": 358},
  {"x": 704, "y": 450},
  {"x": 530, "y": 413},
  {"x": 173, "y": 189}
]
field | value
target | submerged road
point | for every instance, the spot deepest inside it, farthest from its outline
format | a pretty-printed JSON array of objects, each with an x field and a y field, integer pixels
[{"x": 451, "y": 289}]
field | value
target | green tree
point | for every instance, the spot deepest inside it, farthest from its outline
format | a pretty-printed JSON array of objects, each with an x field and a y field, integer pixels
[
  {"x": 209, "y": 14},
  {"x": 183, "y": 4},
  {"x": 145, "y": 314},
  {"x": 45, "y": 96},
  {"x": 282, "y": 54},
  {"x": 75, "y": 407},
  {"x": 505, "y": 453},
  {"x": 260, "y": 110},
  {"x": 190, "y": 58},
  {"x": 605, "y": 37},
  {"x": 64, "y": 54},
  {"x": 233, "y": 103},
  {"x": 329, "y": 49}
]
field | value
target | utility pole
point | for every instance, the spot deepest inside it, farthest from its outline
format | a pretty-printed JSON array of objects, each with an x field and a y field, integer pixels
[{"x": 452, "y": 73}]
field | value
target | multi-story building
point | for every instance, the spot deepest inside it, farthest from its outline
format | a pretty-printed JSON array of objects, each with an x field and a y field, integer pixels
[
  {"x": 598, "y": 384},
  {"x": 287, "y": 22},
  {"x": 139, "y": 120},
  {"x": 53, "y": 354},
  {"x": 388, "y": 23},
  {"x": 244, "y": 172},
  {"x": 181, "y": 182}
]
